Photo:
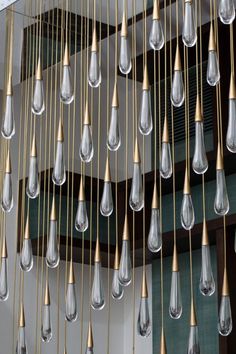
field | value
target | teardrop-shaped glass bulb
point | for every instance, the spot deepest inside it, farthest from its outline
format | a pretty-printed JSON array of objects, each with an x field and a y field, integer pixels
[
  {"x": 117, "y": 290},
  {"x": 175, "y": 306},
  {"x": 144, "y": 321},
  {"x": 8, "y": 120},
  {"x": 226, "y": 11},
  {"x": 125, "y": 64},
  {"x": 71, "y": 305},
  {"x": 52, "y": 255},
  {"x": 125, "y": 269},
  {"x": 225, "y": 323},
  {"x": 221, "y": 203},
  {"x": 106, "y": 206},
  {"x": 154, "y": 236},
  {"x": 177, "y": 89},
  {"x": 145, "y": 116},
  {"x": 200, "y": 163},
  {"x": 189, "y": 33},
  {"x": 156, "y": 37},
  {"x": 86, "y": 146},
  {"x": 81, "y": 219},
  {"x": 4, "y": 289},
  {"x": 207, "y": 283},
  {"x": 213, "y": 70},
  {"x": 32, "y": 188},
  {"x": 26, "y": 256},
  {"x": 94, "y": 75},
  {"x": 231, "y": 130},
  {"x": 97, "y": 296},
  {"x": 38, "y": 105},
  {"x": 21, "y": 346},
  {"x": 59, "y": 174},
  {"x": 7, "y": 197},
  {"x": 46, "y": 328},
  {"x": 166, "y": 161},
  {"x": 66, "y": 92},
  {"x": 136, "y": 201},
  {"x": 113, "y": 139},
  {"x": 193, "y": 341},
  {"x": 187, "y": 212}
]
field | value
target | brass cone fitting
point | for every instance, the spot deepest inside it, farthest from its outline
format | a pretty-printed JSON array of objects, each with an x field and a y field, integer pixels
[
  {"x": 115, "y": 98},
  {"x": 8, "y": 162},
  {"x": 144, "y": 290},
  {"x": 87, "y": 120},
  {"x": 124, "y": 28},
  {"x": 9, "y": 91},
  {"x": 232, "y": 88},
  {"x": 155, "y": 204},
  {"x": 4, "y": 247},
  {"x": 163, "y": 343},
  {"x": 60, "y": 133},
  {"x": 186, "y": 183},
  {"x": 198, "y": 111},
  {"x": 94, "y": 47},
  {"x": 193, "y": 319},
  {"x": 81, "y": 190},
  {"x": 27, "y": 231},
  {"x": 175, "y": 263},
  {"x": 165, "y": 135},
  {"x": 33, "y": 152},
  {"x": 107, "y": 177},
  {"x": 39, "y": 74},
  {"x": 212, "y": 44},
  {"x": 219, "y": 161},
  {"x": 146, "y": 85},
  {"x": 225, "y": 287},
  {"x": 137, "y": 158},
  {"x": 205, "y": 239},
  {"x": 22, "y": 316},
  {"x": 53, "y": 215},
  {"x": 126, "y": 229},
  {"x": 156, "y": 10},
  {"x": 90, "y": 336},
  {"x": 47, "y": 294},
  {"x": 177, "y": 66},
  {"x": 97, "y": 257},
  {"x": 116, "y": 260},
  {"x": 71, "y": 279},
  {"x": 66, "y": 59}
]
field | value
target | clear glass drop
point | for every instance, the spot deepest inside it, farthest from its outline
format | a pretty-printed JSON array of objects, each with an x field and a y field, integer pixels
[
  {"x": 154, "y": 237},
  {"x": 86, "y": 146},
  {"x": 175, "y": 307},
  {"x": 144, "y": 321},
  {"x": 32, "y": 188},
  {"x": 71, "y": 305},
  {"x": 7, "y": 197},
  {"x": 145, "y": 116},
  {"x": 4, "y": 290},
  {"x": 226, "y": 11},
  {"x": 189, "y": 33},
  {"x": 193, "y": 341},
  {"x": 59, "y": 174},
  {"x": 207, "y": 282},
  {"x": 26, "y": 256},
  {"x": 46, "y": 328},
  {"x": 136, "y": 194},
  {"x": 225, "y": 323},
  {"x": 52, "y": 255},
  {"x": 125, "y": 64},
  {"x": 156, "y": 37},
  {"x": 21, "y": 346},
  {"x": 166, "y": 161},
  {"x": 221, "y": 204},
  {"x": 94, "y": 75},
  {"x": 231, "y": 130},
  {"x": 213, "y": 70},
  {"x": 8, "y": 120},
  {"x": 66, "y": 92},
  {"x": 187, "y": 212},
  {"x": 113, "y": 139},
  {"x": 117, "y": 290},
  {"x": 125, "y": 269},
  {"x": 38, "y": 105},
  {"x": 106, "y": 206},
  {"x": 177, "y": 89},
  {"x": 200, "y": 163},
  {"x": 81, "y": 219},
  {"x": 97, "y": 297}
]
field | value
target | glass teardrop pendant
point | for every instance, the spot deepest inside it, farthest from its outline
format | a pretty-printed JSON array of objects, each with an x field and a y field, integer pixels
[
  {"x": 81, "y": 219},
  {"x": 26, "y": 256},
  {"x": 225, "y": 323},
  {"x": 113, "y": 139},
  {"x": 106, "y": 206},
  {"x": 136, "y": 200},
  {"x": 175, "y": 306},
  {"x": 193, "y": 339},
  {"x": 125, "y": 269},
  {"x": 187, "y": 211},
  {"x": 7, "y": 197},
  {"x": 189, "y": 32},
  {"x": 156, "y": 36},
  {"x": 231, "y": 130},
  {"x": 21, "y": 345},
  {"x": 117, "y": 290},
  {"x": 71, "y": 305},
  {"x": 89, "y": 346},
  {"x": 59, "y": 174},
  {"x": 38, "y": 105},
  {"x": 226, "y": 11},
  {"x": 8, "y": 120},
  {"x": 213, "y": 70},
  {"x": 4, "y": 289},
  {"x": 144, "y": 321},
  {"x": 154, "y": 237},
  {"x": 166, "y": 160},
  {"x": 207, "y": 282},
  {"x": 221, "y": 203},
  {"x": 177, "y": 88},
  {"x": 52, "y": 254},
  {"x": 125, "y": 64},
  {"x": 97, "y": 296},
  {"x": 32, "y": 188},
  {"x": 66, "y": 92},
  {"x": 86, "y": 145},
  {"x": 46, "y": 328},
  {"x": 94, "y": 74},
  {"x": 145, "y": 116}
]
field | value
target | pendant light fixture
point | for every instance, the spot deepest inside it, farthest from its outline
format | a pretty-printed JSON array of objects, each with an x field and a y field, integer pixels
[
  {"x": 66, "y": 91},
  {"x": 156, "y": 37},
  {"x": 4, "y": 287},
  {"x": 106, "y": 205},
  {"x": 7, "y": 195},
  {"x": 81, "y": 218}
]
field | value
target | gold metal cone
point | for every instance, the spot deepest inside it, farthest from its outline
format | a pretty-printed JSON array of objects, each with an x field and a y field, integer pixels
[
  {"x": 4, "y": 247},
  {"x": 66, "y": 59},
  {"x": 186, "y": 183},
  {"x": 107, "y": 177},
  {"x": 8, "y": 162},
  {"x": 205, "y": 239},
  {"x": 65, "y": 351},
  {"x": 156, "y": 10},
  {"x": 87, "y": 120},
  {"x": 27, "y": 232},
  {"x": 81, "y": 190},
  {"x": 39, "y": 75},
  {"x": 90, "y": 336},
  {"x": 193, "y": 319},
  {"x": 9, "y": 91},
  {"x": 71, "y": 279},
  {"x": 225, "y": 287},
  {"x": 175, "y": 263},
  {"x": 146, "y": 85},
  {"x": 155, "y": 204},
  {"x": 144, "y": 290},
  {"x": 177, "y": 66},
  {"x": 198, "y": 111},
  {"x": 115, "y": 98},
  {"x": 94, "y": 47},
  {"x": 188, "y": 1},
  {"x": 163, "y": 342},
  {"x": 22, "y": 316},
  {"x": 116, "y": 260},
  {"x": 53, "y": 215},
  {"x": 219, "y": 161},
  {"x": 124, "y": 28},
  {"x": 97, "y": 257},
  {"x": 125, "y": 236},
  {"x": 212, "y": 44},
  {"x": 33, "y": 152},
  {"x": 165, "y": 135},
  {"x": 60, "y": 133},
  {"x": 136, "y": 152},
  {"x": 47, "y": 294},
  {"x": 232, "y": 87}
]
